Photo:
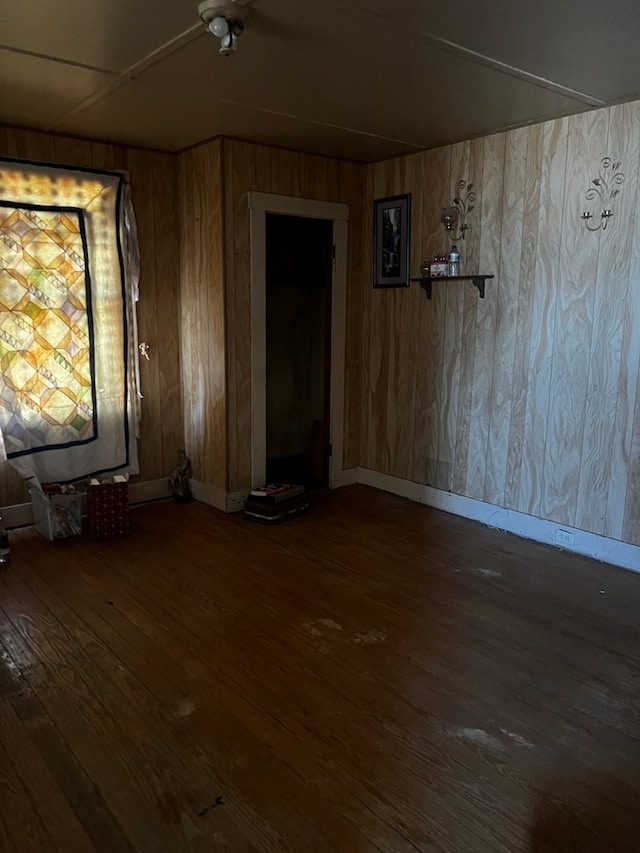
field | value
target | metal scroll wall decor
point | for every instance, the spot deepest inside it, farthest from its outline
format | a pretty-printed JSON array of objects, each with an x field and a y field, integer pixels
[
  {"x": 454, "y": 218},
  {"x": 605, "y": 188}
]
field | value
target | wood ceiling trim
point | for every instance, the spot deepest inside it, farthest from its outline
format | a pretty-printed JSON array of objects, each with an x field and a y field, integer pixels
[
  {"x": 58, "y": 59},
  {"x": 512, "y": 71},
  {"x": 391, "y": 23},
  {"x": 153, "y": 58},
  {"x": 412, "y": 145}
]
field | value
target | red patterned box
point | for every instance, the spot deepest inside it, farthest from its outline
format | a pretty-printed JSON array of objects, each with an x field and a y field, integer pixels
[{"x": 108, "y": 510}]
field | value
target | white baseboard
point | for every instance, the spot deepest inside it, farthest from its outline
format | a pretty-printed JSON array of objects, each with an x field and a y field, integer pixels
[
  {"x": 210, "y": 495},
  {"x": 21, "y": 515},
  {"x": 215, "y": 497},
  {"x": 151, "y": 490},
  {"x": 349, "y": 477},
  {"x": 18, "y": 515},
  {"x": 528, "y": 526}
]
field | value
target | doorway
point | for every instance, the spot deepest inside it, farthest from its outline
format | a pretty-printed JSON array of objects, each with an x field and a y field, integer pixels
[
  {"x": 298, "y": 255},
  {"x": 337, "y": 217}
]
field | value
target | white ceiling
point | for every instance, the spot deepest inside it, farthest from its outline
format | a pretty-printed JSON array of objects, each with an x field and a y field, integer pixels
[{"x": 363, "y": 79}]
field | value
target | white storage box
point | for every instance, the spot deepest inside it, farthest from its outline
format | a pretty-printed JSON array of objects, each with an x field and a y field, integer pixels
[{"x": 56, "y": 516}]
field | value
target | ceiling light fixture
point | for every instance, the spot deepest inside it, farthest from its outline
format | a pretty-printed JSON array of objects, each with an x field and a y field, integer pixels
[{"x": 225, "y": 20}]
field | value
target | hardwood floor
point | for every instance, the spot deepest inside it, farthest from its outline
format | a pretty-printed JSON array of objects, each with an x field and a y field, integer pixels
[{"x": 374, "y": 676}]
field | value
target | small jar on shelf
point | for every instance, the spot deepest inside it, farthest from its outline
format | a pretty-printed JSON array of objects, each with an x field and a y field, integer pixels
[{"x": 440, "y": 266}]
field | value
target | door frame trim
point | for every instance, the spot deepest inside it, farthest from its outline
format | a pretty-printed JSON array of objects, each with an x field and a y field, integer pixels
[{"x": 259, "y": 205}]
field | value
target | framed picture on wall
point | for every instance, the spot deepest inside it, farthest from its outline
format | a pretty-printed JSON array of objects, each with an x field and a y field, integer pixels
[{"x": 391, "y": 235}]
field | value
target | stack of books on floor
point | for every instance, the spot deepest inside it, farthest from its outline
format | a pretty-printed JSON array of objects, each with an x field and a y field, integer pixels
[{"x": 276, "y": 502}]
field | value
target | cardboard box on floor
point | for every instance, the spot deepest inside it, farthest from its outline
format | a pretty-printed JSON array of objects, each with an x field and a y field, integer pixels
[{"x": 56, "y": 516}]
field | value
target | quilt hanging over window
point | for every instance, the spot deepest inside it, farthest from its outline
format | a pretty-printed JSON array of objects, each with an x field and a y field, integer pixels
[{"x": 65, "y": 323}]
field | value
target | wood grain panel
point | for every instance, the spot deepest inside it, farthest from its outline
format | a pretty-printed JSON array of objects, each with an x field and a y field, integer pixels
[
  {"x": 406, "y": 306},
  {"x": 188, "y": 303},
  {"x": 105, "y": 153},
  {"x": 320, "y": 178},
  {"x": 389, "y": 306},
  {"x": 631, "y": 525},
  {"x": 248, "y": 169},
  {"x": 286, "y": 171},
  {"x": 257, "y": 172},
  {"x": 398, "y": 317},
  {"x": 203, "y": 311},
  {"x": 574, "y": 322},
  {"x": 350, "y": 179},
  {"x": 208, "y": 174},
  {"x": 12, "y": 141},
  {"x": 490, "y": 201},
  {"x": 523, "y": 321},
  {"x": 470, "y": 261},
  {"x": 436, "y": 167},
  {"x": 451, "y": 294},
  {"x": 73, "y": 152},
  {"x": 626, "y": 438},
  {"x": 366, "y": 309},
  {"x": 547, "y": 261},
  {"x": 230, "y": 203},
  {"x": 43, "y": 147},
  {"x": 611, "y": 294},
  {"x": 378, "y": 451},
  {"x": 506, "y": 304},
  {"x": 158, "y": 277},
  {"x": 167, "y": 308}
]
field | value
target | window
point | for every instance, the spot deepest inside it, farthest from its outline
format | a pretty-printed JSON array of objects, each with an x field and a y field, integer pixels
[{"x": 68, "y": 395}]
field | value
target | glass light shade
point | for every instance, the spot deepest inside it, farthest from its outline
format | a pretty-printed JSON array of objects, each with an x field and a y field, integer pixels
[
  {"x": 449, "y": 217},
  {"x": 219, "y": 27}
]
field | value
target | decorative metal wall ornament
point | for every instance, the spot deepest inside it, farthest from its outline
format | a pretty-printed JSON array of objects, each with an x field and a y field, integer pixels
[
  {"x": 605, "y": 187},
  {"x": 457, "y": 215}
]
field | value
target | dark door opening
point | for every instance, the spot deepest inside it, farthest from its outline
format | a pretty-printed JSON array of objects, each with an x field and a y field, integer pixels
[{"x": 299, "y": 262}]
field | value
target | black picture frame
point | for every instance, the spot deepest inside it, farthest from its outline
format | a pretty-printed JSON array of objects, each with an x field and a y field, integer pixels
[{"x": 391, "y": 239}]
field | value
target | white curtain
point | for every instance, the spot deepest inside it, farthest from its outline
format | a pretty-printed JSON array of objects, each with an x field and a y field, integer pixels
[{"x": 69, "y": 268}]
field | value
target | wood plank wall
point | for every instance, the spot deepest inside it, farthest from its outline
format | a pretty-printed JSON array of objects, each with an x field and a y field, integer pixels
[
  {"x": 247, "y": 168},
  {"x": 153, "y": 181},
  {"x": 201, "y": 223},
  {"x": 530, "y": 398}
]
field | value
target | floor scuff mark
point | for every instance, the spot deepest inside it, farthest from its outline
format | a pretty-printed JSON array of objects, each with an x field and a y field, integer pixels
[
  {"x": 519, "y": 740},
  {"x": 485, "y": 573},
  {"x": 491, "y": 742},
  {"x": 327, "y": 628},
  {"x": 480, "y": 737},
  {"x": 370, "y": 638},
  {"x": 319, "y": 627},
  {"x": 330, "y": 624}
]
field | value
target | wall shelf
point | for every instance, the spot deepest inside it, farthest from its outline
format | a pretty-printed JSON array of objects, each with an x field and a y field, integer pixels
[{"x": 478, "y": 280}]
